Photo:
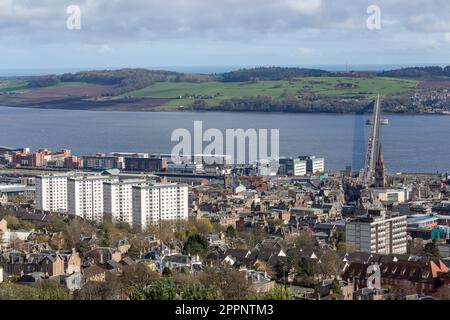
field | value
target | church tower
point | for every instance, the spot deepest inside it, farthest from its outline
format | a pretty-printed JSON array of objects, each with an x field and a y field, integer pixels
[{"x": 380, "y": 177}]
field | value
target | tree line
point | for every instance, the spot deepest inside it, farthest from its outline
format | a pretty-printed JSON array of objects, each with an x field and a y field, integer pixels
[{"x": 122, "y": 80}]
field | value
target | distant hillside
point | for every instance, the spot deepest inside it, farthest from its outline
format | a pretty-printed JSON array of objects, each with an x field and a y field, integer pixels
[
  {"x": 271, "y": 73},
  {"x": 123, "y": 80},
  {"x": 418, "y": 73},
  {"x": 128, "y": 80}
]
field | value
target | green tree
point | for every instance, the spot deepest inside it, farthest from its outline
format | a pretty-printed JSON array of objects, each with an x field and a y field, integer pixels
[
  {"x": 196, "y": 244},
  {"x": 282, "y": 269},
  {"x": 198, "y": 291},
  {"x": 51, "y": 290},
  {"x": 276, "y": 223},
  {"x": 166, "y": 272},
  {"x": 336, "y": 287},
  {"x": 431, "y": 250},
  {"x": 302, "y": 267},
  {"x": 13, "y": 222},
  {"x": 231, "y": 232},
  {"x": 26, "y": 225},
  {"x": 12, "y": 291},
  {"x": 163, "y": 289},
  {"x": 276, "y": 293},
  {"x": 204, "y": 226},
  {"x": 341, "y": 245}
]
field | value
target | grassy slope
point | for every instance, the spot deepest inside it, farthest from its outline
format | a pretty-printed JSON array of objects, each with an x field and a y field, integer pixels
[
  {"x": 323, "y": 86},
  {"x": 326, "y": 86},
  {"x": 69, "y": 84},
  {"x": 13, "y": 86}
]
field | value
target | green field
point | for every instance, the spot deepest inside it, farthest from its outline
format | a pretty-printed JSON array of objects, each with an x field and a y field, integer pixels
[
  {"x": 185, "y": 93},
  {"x": 69, "y": 84},
  {"x": 13, "y": 86}
]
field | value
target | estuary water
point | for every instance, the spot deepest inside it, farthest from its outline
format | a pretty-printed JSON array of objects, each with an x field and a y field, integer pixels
[{"x": 411, "y": 143}]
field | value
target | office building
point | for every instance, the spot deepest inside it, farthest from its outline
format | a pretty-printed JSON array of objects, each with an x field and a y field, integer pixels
[
  {"x": 185, "y": 167},
  {"x": 144, "y": 164},
  {"x": 377, "y": 232},
  {"x": 389, "y": 195},
  {"x": 313, "y": 165},
  {"x": 101, "y": 162},
  {"x": 300, "y": 168},
  {"x": 292, "y": 167}
]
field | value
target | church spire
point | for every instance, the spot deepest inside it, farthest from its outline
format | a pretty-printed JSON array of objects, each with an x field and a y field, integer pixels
[{"x": 380, "y": 177}]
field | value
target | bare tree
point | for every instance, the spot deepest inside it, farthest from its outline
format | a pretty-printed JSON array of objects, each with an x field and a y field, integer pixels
[
  {"x": 231, "y": 283},
  {"x": 400, "y": 291},
  {"x": 304, "y": 241}
]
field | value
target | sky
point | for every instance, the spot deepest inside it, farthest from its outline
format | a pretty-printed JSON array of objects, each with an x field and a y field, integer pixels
[{"x": 34, "y": 34}]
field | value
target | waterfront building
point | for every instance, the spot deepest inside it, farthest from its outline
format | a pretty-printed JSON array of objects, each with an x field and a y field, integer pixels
[
  {"x": 144, "y": 164},
  {"x": 300, "y": 168},
  {"x": 313, "y": 165},
  {"x": 101, "y": 162},
  {"x": 159, "y": 202},
  {"x": 185, "y": 167},
  {"x": 378, "y": 232},
  {"x": 292, "y": 167}
]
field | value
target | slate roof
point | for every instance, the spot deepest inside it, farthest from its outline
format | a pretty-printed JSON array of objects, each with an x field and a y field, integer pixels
[{"x": 180, "y": 259}]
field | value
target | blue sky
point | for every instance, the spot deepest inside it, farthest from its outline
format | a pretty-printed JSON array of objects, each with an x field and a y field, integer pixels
[{"x": 155, "y": 33}]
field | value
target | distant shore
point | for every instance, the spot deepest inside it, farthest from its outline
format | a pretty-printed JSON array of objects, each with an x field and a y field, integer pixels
[{"x": 171, "y": 110}]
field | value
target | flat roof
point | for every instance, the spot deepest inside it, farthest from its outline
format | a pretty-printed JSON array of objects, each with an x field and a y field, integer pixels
[{"x": 14, "y": 188}]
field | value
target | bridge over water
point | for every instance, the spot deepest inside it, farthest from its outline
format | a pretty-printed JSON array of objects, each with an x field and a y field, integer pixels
[{"x": 373, "y": 144}]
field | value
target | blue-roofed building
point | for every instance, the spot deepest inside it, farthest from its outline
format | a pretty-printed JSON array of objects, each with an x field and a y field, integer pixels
[
  {"x": 421, "y": 221},
  {"x": 421, "y": 226}
]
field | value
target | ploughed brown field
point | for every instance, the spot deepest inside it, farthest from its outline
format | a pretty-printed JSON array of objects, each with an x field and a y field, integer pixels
[
  {"x": 435, "y": 84},
  {"x": 83, "y": 97},
  {"x": 78, "y": 91},
  {"x": 83, "y": 104}
]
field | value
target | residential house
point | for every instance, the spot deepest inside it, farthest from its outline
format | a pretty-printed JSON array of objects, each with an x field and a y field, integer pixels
[{"x": 423, "y": 275}]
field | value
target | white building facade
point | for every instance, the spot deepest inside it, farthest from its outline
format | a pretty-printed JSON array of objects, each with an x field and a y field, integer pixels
[
  {"x": 397, "y": 195},
  {"x": 85, "y": 196},
  {"x": 51, "y": 192},
  {"x": 383, "y": 234},
  {"x": 118, "y": 199},
  {"x": 138, "y": 202},
  {"x": 159, "y": 202},
  {"x": 299, "y": 168},
  {"x": 313, "y": 165}
]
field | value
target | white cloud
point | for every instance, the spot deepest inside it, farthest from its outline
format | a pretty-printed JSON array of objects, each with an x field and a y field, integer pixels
[
  {"x": 447, "y": 37},
  {"x": 308, "y": 7},
  {"x": 305, "y": 51},
  {"x": 100, "y": 48},
  {"x": 330, "y": 27}
]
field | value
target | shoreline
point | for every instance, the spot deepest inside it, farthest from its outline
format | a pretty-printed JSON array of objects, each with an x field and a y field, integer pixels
[{"x": 223, "y": 111}]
